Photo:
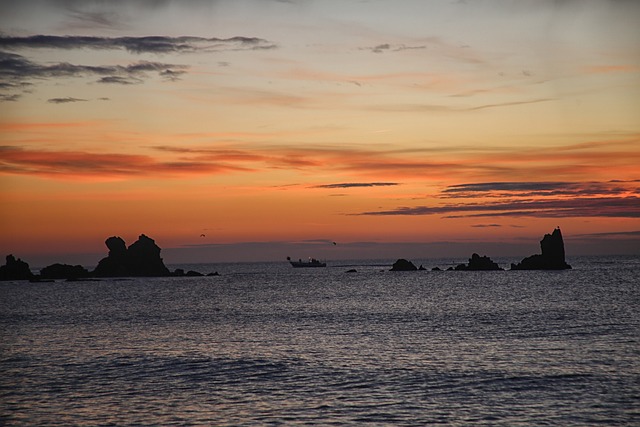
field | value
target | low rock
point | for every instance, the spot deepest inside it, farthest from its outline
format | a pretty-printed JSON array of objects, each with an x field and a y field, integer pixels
[
  {"x": 64, "y": 271},
  {"x": 478, "y": 263},
  {"x": 403, "y": 265}
]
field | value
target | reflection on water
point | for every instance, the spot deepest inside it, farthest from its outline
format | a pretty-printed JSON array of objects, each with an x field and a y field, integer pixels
[{"x": 266, "y": 344}]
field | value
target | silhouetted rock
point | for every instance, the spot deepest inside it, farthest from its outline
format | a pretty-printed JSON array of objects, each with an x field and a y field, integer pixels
[
  {"x": 478, "y": 263},
  {"x": 141, "y": 259},
  {"x": 15, "y": 269},
  {"x": 63, "y": 271},
  {"x": 552, "y": 257},
  {"x": 192, "y": 273},
  {"x": 403, "y": 265},
  {"x": 215, "y": 273},
  {"x": 436, "y": 269},
  {"x": 353, "y": 270}
]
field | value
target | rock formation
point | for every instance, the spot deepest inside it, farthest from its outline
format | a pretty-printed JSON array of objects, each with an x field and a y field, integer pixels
[
  {"x": 141, "y": 259},
  {"x": 63, "y": 271},
  {"x": 552, "y": 257},
  {"x": 478, "y": 263},
  {"x": 403, "y": 265},
  {"x": 15, "y": 269}
]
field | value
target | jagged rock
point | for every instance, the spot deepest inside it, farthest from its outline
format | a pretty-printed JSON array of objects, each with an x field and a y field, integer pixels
[
  {"x": 403, "y": 265},
  {"x": 63, "y": 271},
  {"x": 552, "y": 257},
  {"x": 141, "y": 259},
  {"x": 15, "y": 269},
  {"x": 478, "y": 263},
  {"x": 436, "y": 269}
]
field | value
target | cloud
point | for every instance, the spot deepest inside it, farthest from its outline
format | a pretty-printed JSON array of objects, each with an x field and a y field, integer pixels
[
  {"x": 534, "y": 199},
  {"x": 137, "y": 45},
  {"x": 65, "y": 100},
  {"x": 16, "y": 71},
  {"x": 9, "y": 98},
  {"x": 101, "y": 166},
  {"x": 119, "y": 80},
  {"x": 542, "y": 188},
  {"x": 610, "y": 207},
  {"x": 449, "y": 108},
  {"x": 356, "y": 185},
  {"x": 610, "y": 235}
]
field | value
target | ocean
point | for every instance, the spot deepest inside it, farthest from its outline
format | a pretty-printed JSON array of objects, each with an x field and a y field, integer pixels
[{"x": 264, "y": 344}]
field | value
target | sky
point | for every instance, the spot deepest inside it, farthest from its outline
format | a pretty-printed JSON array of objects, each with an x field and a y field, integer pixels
[{"x": 258, "y": 129}]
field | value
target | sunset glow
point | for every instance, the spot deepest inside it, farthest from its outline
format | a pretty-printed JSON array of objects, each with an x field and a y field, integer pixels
[{"x": 219, "y": 125}]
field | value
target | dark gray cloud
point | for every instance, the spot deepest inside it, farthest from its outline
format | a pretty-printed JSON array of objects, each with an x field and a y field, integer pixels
[
  {"x": 65, "y": 100},
  {"x": 18, "y": 72},
  {"x": 536, "y": 199},
  {"x": 611, "y": 207},
  {"x": 119, "y": 80},
  {"x": 542, "y": 188},
  {"x": 9, "y": 98},
  {"x": 148, "y": 44},
  {"x": 357, "y": 184},
  {"x": 386, "y": 47}
]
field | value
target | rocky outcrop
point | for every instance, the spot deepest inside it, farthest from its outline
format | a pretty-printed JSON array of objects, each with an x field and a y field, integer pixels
[
  {"x": 63, "y": 271},
  {"x": 15, "y": 269},
  {"x": 403, "y": 265},
  {"x": 478, "y": 263},
  {"x": 552, "y": 257},
  {"x": 141, "y": 259}
]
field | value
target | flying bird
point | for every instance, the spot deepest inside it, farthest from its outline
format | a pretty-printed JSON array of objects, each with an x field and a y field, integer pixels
[{"x": 202, "y": 235}]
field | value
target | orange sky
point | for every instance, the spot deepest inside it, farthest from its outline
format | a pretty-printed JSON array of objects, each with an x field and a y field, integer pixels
[{"x": 285, "y": 124}]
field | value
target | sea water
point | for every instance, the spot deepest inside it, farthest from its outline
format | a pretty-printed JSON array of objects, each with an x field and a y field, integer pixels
[{"x": 266, "y": 344}]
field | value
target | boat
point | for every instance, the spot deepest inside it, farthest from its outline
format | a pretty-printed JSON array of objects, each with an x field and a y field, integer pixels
[{"x": 311, "y": 263}]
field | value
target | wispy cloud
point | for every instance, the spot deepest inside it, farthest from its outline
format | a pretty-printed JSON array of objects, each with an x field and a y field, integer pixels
[
  {"x": 357, "y": 185},
  {"x": 65, "y": 100},
  {"x": 529, "y": 189},
  {"x": 149, "y": 44},
  {"x": 17, "y": 72},
  {"x": 612, "y": 207},
  {"x": 533, "y": 199},
  {"x": 386, "y": 47},
  {"x": 100, "y": 166}
]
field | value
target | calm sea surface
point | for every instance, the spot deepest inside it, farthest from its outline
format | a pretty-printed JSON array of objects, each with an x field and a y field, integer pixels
[{"x": 266, "y": 344}]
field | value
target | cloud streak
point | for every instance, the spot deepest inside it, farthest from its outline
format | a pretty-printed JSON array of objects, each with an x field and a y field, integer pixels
[
  {"x": 65, "y": 100},
  {"x": 614, "y": 199},
  {"x": 101, "y": 166},
  {"x": 18, "y": 72},
  {"x": 357, "y": 185},
  {"x": 137, "y": 45}
]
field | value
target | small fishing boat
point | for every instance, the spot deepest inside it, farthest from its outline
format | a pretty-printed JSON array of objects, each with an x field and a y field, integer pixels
[{"x": 311, "y": 263}]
